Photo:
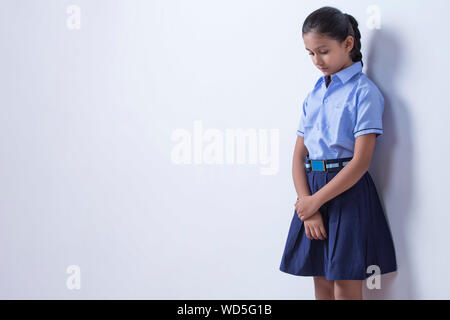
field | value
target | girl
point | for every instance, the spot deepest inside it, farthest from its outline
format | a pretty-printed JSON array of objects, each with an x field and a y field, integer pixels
[{"x": 338, "y": 234}]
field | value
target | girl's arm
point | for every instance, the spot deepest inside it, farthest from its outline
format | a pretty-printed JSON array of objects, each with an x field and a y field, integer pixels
[
  {"x": 352, "y": 172},
  {"x": 298, "y": 168}
]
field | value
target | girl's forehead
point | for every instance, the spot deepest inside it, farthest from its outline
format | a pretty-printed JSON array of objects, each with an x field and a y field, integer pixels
[{"x": 314, "y": 41}]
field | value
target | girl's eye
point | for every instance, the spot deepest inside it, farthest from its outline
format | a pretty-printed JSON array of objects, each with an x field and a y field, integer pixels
[{"x": 324, "y": 52}]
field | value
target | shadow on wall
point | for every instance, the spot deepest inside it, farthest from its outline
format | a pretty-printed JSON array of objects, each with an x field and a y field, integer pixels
[{"x": 392, "y": 163}]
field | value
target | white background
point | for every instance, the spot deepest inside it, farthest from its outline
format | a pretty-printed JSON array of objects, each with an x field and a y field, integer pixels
[{"x": 86, "y": 124}]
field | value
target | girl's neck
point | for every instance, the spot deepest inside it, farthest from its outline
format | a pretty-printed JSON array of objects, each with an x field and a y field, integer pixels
[{"x": 348, "y": 64}]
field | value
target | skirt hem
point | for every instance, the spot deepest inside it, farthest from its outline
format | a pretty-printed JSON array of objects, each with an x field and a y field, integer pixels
[{"x": 330, "y": 277}]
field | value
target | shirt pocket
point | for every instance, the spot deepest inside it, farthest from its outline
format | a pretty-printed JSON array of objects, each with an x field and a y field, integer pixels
[
  {"x": 341, "y": 119},
  {"x": 341, "y": 106}
]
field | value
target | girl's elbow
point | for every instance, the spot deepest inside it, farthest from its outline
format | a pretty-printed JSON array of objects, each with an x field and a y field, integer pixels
[{"x": 361, "y": 163}]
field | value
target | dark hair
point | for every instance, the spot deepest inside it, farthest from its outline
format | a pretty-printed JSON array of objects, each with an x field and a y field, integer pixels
[{"x": 337, "y": 25}]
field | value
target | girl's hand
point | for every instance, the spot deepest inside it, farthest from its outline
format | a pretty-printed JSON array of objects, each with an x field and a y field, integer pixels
[
  {"x": 314, "y": 228},
  {"x": 306, "y": 206}
]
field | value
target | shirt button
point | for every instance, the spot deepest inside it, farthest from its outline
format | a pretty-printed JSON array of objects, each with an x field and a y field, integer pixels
[{"x": 326, "y": 100}]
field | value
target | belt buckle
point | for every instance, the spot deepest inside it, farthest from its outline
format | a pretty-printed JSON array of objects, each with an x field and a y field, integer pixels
[{"x": 318, "y": 165}]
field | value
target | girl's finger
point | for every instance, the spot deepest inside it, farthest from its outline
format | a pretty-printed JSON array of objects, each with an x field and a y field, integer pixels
[
  {"x": 307, "y": 232},
  {"x": 313, "y": 233},
  {"x": 319, "y": 233}
]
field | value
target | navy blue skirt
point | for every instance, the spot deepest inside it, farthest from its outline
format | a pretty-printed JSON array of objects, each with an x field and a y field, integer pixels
[{"x": 358, "y": 235}]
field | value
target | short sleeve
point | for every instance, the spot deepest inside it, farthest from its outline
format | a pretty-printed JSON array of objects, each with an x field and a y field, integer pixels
[
  {"x": 301, "y": 125},
  {"x": 369, "y": 113}
]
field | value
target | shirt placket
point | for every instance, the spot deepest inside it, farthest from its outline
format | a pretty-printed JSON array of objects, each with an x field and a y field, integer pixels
[{"x": 325, "y": 100}]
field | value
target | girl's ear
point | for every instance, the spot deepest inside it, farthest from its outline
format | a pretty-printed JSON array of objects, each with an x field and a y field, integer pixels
[{"x": 349, "y": 43}]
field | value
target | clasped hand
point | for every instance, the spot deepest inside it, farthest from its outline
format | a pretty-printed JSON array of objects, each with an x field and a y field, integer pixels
[
  {"x": 306, "y": 206},
  {"x": 307, "y": 210}
]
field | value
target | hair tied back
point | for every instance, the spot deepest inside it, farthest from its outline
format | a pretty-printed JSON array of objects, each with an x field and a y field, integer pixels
[
  {"x": 351, "y": 31},
  {"x": 333, "y": 23}
]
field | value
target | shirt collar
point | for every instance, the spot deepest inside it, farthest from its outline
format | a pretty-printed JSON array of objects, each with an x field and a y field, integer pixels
[{"x": 345, "y": 74}]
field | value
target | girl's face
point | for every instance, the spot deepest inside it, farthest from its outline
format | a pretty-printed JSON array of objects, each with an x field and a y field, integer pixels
[{"x": 327, "y": 54}]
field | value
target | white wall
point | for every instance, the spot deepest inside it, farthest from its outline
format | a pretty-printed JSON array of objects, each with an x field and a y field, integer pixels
[{"x": 89, "y": 172}]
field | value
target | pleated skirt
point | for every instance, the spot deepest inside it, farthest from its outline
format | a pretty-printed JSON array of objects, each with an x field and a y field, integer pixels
[{"x": 358, "y": 241}]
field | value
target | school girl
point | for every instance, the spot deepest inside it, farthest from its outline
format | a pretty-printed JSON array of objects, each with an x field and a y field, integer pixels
[{"x": 338, "y": 234}]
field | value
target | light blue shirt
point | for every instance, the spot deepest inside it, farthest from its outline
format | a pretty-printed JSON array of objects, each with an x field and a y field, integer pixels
[{"x": 333, "y": 117}]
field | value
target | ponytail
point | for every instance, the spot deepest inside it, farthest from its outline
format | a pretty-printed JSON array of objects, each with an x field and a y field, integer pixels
[{"x": 355, "y": 54}]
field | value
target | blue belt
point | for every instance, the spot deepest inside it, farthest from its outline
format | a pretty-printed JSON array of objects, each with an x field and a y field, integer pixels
[{"x": 324, "y": 165}]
